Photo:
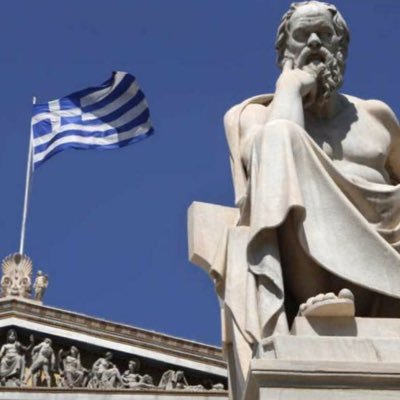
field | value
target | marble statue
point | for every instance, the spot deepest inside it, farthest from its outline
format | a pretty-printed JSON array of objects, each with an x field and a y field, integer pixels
[
  {"x": 176, "y": 380},
  {"x": 71, "y": 370},
  {"x": 40, "y": 285},
  {"x": 104, "y": 374},
  {"x": 43, "y": 361},
  {"x": 316, "y": 176},
  {"x": 132, "y": 380},
  {"x": 17, "y": 275},
  {"x": 12, "y": 360}
]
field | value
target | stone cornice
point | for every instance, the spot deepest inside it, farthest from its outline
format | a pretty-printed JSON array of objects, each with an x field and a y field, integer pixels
[{"x": 80, "y": 323}]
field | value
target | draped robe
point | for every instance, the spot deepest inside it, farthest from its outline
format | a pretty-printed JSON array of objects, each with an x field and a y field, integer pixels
[{"x": 349, "y": 229}]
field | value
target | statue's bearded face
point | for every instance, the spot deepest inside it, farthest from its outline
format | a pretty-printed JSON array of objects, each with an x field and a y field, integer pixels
[{"x": 311, "y": 41}]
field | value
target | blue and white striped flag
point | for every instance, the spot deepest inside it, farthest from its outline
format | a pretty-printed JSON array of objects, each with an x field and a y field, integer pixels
[{"x": 112, "y": 115}]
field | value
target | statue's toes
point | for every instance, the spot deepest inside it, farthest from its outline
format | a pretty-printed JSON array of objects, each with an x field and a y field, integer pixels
[{"x": 329, "y": 305}]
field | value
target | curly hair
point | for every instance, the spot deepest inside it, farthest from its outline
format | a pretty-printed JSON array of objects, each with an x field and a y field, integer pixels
[{"x": 338, "y": 22}]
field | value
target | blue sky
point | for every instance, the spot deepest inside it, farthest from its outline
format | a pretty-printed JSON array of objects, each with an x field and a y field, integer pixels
[{"x": 110, "y": 227}]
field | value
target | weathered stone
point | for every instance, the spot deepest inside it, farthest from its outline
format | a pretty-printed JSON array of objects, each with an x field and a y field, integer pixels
[
  {"x": 132, "y": 380},
  {"x": 105, "y": 374},
  {"x": 17, "y": 276},
  {"x": 71, "y": 371},
  {"x": 43, "y": 362},
  {"x": 316, "y": 176},
  {"x": 12, "y": 360},
  {"x": 40, "y": 285}
]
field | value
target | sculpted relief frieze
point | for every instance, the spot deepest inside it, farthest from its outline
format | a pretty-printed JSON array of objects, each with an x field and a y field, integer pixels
[{"x": 44, "y": 363}]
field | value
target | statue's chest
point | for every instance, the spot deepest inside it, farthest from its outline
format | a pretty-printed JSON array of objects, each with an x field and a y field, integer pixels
[{"x": 363, "y": 140}]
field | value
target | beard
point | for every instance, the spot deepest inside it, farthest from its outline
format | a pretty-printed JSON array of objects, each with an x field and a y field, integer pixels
[{"x": 330, "y": 78}]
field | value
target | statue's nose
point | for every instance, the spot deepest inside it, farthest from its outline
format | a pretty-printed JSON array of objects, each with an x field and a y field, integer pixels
[{"x": 314, "y": 41}]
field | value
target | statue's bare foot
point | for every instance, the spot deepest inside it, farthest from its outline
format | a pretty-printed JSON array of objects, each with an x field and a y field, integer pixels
[{"x": 329, "y": 305}]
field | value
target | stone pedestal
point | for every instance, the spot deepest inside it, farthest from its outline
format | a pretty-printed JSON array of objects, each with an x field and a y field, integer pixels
[
  {"x": 311, "y": 380},
  {"x": 329, "y": 359}
]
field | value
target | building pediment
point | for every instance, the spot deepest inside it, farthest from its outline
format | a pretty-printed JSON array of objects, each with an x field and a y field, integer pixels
[{"x": 151, "y": 361}]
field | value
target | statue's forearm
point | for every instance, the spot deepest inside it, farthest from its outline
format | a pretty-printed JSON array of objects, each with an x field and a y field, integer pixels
[{"x": 287, "y": 104}]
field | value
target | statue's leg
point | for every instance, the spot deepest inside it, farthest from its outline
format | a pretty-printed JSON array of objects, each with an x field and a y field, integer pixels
[
  {"x": 276, "y": 220},
  {"x": 22, "y": 369},
  {"x": 34, "y": 379},
  {"x": 302, "y": 276},
  {"x": 47, "y": 375},
  {"x": 83, "y": 379},
  {"x": 295, "y": 190},
  {"x": 78, "y": 379},
  {"x": 298, "y": 266}
]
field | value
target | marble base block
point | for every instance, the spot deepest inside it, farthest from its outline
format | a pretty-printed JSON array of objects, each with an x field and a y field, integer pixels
[
  {"x": 329, "y": 359},
  {"x": 302, "y": 380}
]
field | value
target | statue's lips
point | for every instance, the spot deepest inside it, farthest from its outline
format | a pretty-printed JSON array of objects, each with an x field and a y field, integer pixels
[
  {"x": 315, "y": 57},
  {"x": 312, "y": 56}
]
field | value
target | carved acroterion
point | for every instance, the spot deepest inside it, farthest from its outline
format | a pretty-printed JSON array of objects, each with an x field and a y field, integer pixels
[
  {"x": 17, "y": 276},
  {"x": 16, "y": 280}
]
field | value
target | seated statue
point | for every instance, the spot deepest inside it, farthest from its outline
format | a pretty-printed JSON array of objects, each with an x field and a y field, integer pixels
[
  {"x": 316, "y": 176},
  {"x": 104, "y": 374},
  {"x": 132, "y": 380},
  {"x": 12, "y": 360},
  {"x": 171, "y": 380},
  {"x": 71, "y": 370}
]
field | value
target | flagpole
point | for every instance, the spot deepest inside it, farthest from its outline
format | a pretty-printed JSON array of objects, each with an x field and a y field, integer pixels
[{"x": 28, "y": 181}]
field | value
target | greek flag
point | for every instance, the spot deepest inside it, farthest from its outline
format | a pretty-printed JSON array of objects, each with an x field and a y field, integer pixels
[{"x": 112, "y": 115}]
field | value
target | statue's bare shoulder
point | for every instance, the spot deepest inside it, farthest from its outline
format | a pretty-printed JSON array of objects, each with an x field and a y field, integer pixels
[
  {"x": 386, "y": 116},
  {"x": 252, "y": 117},
  {"x": 380, "y": 111}
]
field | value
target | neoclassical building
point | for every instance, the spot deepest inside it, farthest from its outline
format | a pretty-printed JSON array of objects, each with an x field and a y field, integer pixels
[{"x": 50, "y": 353}]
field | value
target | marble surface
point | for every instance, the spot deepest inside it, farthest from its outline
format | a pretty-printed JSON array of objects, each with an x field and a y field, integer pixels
[{"x": 316, "y": 178}]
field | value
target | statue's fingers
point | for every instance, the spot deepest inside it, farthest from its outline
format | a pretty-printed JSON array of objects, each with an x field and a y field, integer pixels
[
  {"x": 312, "y": 70},
  {"x": 288, "y": 64}
]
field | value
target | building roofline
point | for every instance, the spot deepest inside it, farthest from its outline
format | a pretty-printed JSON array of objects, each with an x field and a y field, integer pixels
[{"x": 35, "y": 312}]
